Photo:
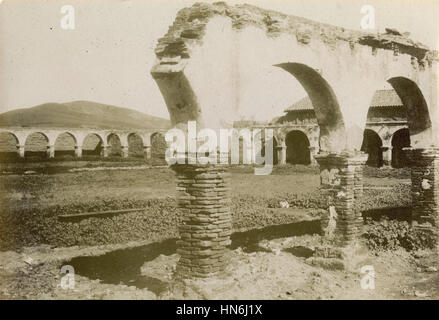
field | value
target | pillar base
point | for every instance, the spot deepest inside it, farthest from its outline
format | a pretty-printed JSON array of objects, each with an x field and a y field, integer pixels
[
  {"x": 341, "y": 179},
  {"x": 350, "y": 258},
  {"x": 205, "y": 224}
]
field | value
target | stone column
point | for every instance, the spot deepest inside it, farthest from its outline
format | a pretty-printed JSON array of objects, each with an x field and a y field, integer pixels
[
  {"x": 78, "y": 151},
  {"x": 205, "y": 224},
  {"x": 341, "y": 178},
  {"x": 282, "y": 153},
  {"x": 387, "y": 156},
  {"x": 20, "y": 150},
  {"x": 51, "y": 151},
  {"x": 125, "y": 151},
  {"x": 424, "y": 169},
  {"x": 147, "y": 152}
]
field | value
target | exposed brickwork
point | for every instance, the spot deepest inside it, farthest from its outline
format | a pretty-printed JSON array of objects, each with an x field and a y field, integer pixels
[
  {"x": 206, "y": 226},
  {"x": 424, "y": 165},
  {"x": 341, "y": 177}
]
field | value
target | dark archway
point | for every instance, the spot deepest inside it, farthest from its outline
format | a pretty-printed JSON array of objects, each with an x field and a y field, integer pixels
[
  {"x": 418, "y": 117},
  {"x": 92, "y": 145},
  {"x": 36, "y": 145},
  {"x": 325, "y": 104},
  {"x": 135, "y": 145},
  {"x": 158, "y": 149},
  {"x": 297, "y": 144},
  {"x": 65, "y": 145},
  {"x": 372, "y": 145},
  {"x": 400, "y": 140},
  {"x": 114, "y": 145},
  {"x": 8, "y": 146}
]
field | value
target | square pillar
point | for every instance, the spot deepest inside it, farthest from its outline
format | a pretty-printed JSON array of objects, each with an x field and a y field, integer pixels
[
  {"x": 205, "y": 224},
  {"x": 424, "y": 169},
  {"x": 147, "y": 152},
  {"x": 313, "y": 151},
  {"x": 387, "y": 156},
  {"x": 51, "y": 151},
  {"x": 282, "y": 153},
  {"x": 341, "y": 178},
  {"x": 104, "y": 151},
  {"x": 78, "y": 151},
  {"x": 20, "y": 150},
  {"x": 125, "y": 151}
]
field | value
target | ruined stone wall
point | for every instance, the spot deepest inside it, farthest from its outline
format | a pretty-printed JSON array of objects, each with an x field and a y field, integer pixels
[{"x": 212, "y": 51}]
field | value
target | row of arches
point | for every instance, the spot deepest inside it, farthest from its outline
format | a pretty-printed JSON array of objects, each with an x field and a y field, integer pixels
[
  {"x": 298, "y": 149},
  {"x": 36, "y": 144},
  {"x": 373, "y": 146}
]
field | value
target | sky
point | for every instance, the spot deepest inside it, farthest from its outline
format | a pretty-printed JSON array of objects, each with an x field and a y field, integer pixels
[{"x": 107, "y": 58}]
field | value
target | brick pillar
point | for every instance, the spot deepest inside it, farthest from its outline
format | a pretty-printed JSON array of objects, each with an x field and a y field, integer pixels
[
  {"x": 341, "y": 178},
  {"x": 424, "y": 169},
  {"x": 358, "y": 178},
  {"x": 20, "y": 150},
  {"x": 205, "y": 225}
]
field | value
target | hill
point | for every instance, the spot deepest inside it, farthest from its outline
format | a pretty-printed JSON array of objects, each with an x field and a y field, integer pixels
[{"x": 81, "y": 114}]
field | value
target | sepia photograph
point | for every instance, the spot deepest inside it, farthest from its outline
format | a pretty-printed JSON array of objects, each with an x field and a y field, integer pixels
[{"x": 226, "y": 151}]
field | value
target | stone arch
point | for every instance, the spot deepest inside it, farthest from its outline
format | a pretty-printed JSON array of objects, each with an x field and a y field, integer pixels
[
  {"x": 297, "y": 144},
  {"x": 8, "y": 145},
  {"x": 135, "y": 145},
  {"x": 372, "y": 145},
  {"x": 114, "y": 144},
  {"x": 36, "y": 144},
  {"x": 325, "y": 104},
  {"x": 93, "y": 144},
  {"x": 418, "y": 116},
  {"x": 65, "y": 144},
  {"x": 400, "y": 139}
]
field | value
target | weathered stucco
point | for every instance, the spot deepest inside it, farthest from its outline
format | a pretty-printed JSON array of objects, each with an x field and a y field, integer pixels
[{"x": 212, "y": 50}]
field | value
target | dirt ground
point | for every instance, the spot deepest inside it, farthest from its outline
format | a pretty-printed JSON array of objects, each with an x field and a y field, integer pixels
[
  {"x": 266, "y": 268},
  {"x": 276, "y": 270}
]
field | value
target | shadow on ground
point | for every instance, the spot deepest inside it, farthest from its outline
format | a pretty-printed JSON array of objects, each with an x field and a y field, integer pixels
[{"x": 123, "y": 266}]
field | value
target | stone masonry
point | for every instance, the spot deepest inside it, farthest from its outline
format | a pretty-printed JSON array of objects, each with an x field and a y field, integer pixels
[
  {"x": 341, "y": 178},
  {"x": 205, "y": 225},
  {"x": 425, "y": 187}
]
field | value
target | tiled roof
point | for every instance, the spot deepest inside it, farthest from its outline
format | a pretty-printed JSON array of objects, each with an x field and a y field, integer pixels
[{"x": 382, "y": 98}]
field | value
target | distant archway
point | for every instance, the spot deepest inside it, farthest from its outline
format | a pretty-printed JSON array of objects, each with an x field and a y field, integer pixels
[
  {"x": 65, "y": 145},
  {"x": 114, "y": 145},
  {"x": 92, "y": 145},
  {"x": 297, "y": 144},
  {"x": 135, "y": 145},
  {"x": 8, "y": 146},
  {"x": 372, "y": 145},
  {"x": 400, "y": 140},
  {"x": 36, "y": 145}
]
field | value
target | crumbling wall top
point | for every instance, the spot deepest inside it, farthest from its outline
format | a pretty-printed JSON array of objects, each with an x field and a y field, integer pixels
[{"x": 190, "y": 25}]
